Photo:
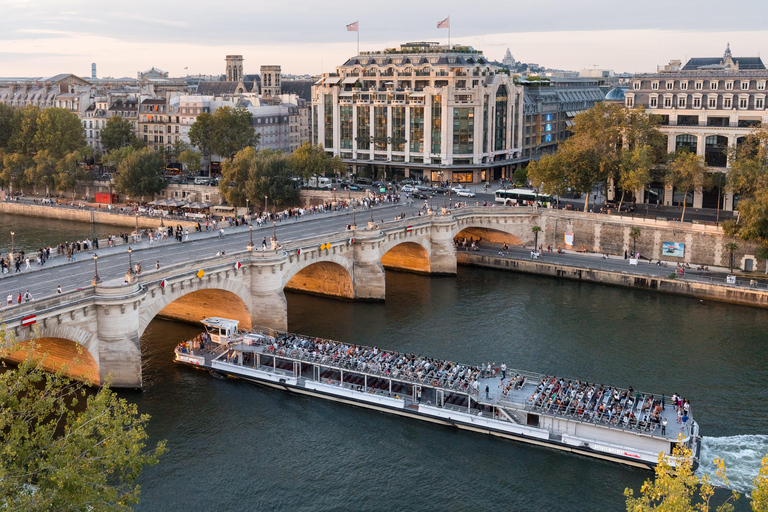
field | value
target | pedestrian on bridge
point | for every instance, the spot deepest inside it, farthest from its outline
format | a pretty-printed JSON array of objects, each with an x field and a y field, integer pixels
[
  {"x": 27, "y": 263},
  {"x": 58, "y": 289},
  {"x": 10, "y": 299}
]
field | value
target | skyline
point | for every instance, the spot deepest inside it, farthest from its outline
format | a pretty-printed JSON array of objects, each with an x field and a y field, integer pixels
[{"x": 313, "y": 39}]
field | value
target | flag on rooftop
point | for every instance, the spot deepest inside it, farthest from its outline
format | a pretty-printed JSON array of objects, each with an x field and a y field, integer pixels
[
  {"x": 352, "y": 27},
  {"x": 446, "y": 23}
]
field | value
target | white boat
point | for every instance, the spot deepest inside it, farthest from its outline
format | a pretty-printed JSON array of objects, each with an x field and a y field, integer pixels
[{"x": 619, "y": 425}]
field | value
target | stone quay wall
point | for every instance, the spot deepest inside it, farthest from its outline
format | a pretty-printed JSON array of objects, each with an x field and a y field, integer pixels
[
  {"x": 703, "y": 244},
  {"x": 744, "y": 296}
]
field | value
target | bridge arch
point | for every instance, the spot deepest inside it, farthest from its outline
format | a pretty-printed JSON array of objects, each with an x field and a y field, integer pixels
[
  {"x": 209, "y": 296},
  {"x": 63, "y": 347},
  {"x": 412, "y": 254},
  {"x": 489, "y": 234},
  {"x": 330, "y": 275}
]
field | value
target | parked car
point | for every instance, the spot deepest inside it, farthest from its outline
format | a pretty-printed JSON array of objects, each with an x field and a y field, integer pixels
[
  {"x": 440, "y": 190},
  {"x": 465, "y": 193},
  {"x": 421, "y": 194},
  {"x": 356, "y": 186},
  {"x": 408, "y": 188},
  {"x": 456, "y": 189}
]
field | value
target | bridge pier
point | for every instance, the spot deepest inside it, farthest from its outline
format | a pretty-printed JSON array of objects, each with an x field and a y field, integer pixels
[
  {"x": 117, "y": 323},
  {"x": 269, "y": 308},
  {"x": 369, "y": 278},
  {"x": 443, "y": 249}
]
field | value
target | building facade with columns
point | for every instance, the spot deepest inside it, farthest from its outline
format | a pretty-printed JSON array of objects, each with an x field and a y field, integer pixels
[
  {"x": 704, "y": 106},
  {"x": 421, "y": 110}
]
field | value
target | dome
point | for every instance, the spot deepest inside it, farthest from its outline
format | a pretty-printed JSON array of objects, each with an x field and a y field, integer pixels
[{"x": 615, "y": 94}]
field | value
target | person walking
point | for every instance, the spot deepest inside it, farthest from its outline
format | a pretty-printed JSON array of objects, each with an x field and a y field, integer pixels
[
  {"x": 10, "y": 299},
  {"x": 18, "y": 299},
  {"x": 58, "y": 289},
  {"x": 487, "y": 390},
  {"x": 503, "y": 371},
  {"x": 18, "y": 264},
  {"x": 264, "y": 244},
  {"x": 157, "y": 265},
  {"x": 664, "y": 427},
  {"x": 27, "y": 296},
  {"x": 27, "y": 263}
]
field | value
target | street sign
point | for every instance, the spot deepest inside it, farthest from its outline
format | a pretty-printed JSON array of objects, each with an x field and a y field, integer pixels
[
  {"x": 325, "y": 246},
  {"x": 200, "y": 273},
  {"x": 163, "y": 283},
  {"x": 237, "y": 266},
  {"x": 28, "y": 320},
  {"x": 408, "y": 229}
]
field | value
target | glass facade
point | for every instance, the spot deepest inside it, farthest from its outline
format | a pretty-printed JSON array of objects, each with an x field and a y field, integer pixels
[
  {"x": 501, "y": 118},
  {"x": 315, "y": 131},
  {"x": 328, "y": 108},
  {"x": 485, "y": 125},
  {"x": 417, "y": 129},
  {"x": 437, "y": 122},
  {"x": 346, "y": 126},
  {"x": 398, "y": 128},
  {"x": 363, "y": 128},
  {"x": 380, "y": 128},
  {"x": 463, "y": 130}
]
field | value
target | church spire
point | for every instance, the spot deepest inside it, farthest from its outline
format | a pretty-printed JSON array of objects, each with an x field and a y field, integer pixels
[{"x": 727, "y": 54}]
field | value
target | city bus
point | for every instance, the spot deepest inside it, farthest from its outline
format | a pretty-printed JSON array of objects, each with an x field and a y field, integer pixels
[{"x": 512, "y": 196}]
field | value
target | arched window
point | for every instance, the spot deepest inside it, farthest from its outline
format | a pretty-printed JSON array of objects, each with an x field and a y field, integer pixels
[
  {"x": 500, "y": 126},
  {"x": 687, "y": 143}
]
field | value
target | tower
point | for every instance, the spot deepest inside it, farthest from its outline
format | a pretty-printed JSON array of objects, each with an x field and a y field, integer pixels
[
  {"x": 234, "y": 68},
  {"x": 270, "y": 81}
]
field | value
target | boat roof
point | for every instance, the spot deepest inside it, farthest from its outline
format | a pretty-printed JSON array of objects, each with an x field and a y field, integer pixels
[{"x": 223, "y": 323}]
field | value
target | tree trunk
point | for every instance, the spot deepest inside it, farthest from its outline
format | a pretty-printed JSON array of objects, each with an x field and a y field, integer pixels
[
  {"x": 535, "y": 241},
  {"x": 621, "y": 201},
  {"x": 586, "y": 204},
  {"x": 685, "y": 201}
]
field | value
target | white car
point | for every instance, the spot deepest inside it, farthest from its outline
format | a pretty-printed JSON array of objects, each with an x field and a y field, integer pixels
[
  {"x": 463, "y": 192},
  {"x": 408, "y": 188},
  {"x": 457, "y": 189}
]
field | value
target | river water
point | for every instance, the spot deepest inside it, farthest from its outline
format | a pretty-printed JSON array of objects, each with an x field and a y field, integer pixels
[{"x": 237, "y": 446}]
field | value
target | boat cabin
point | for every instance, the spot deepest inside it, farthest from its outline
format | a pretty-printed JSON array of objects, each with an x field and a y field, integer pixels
[{"x": 221, "y": 330}]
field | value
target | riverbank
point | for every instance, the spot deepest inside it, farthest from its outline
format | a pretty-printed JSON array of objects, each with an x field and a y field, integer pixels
[
  {"x": 689, "y": 288},
  {"x": 85, "y": 215}
]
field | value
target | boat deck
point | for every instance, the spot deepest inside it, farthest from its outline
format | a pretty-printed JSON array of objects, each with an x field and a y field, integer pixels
[{"x": 523, "y": 398}]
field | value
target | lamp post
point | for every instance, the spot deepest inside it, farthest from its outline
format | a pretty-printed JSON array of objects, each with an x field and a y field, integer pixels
[
  {"x": 12, "y": 247},
  {"x": 96, "y": 279},
  {"x": 137, "y": 225},
  {"x": 248, "y": 208},
  {"x": 250, "y": 237},
  {"x": 354, "y": 224},
  {"x": 274, "y": 235},
  {"x": 130, "y": 265},
  {"x": 265, "y": 204}
]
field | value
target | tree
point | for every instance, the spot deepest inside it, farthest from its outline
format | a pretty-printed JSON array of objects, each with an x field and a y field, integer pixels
[
  {"x": 674, "y": 488},
  {"x": 117, "y": 134},
  {"x": 232, "y": 131},
  {"x": 634, "y": 234},
  {"x": 190, "y": 159},
  {"x": 730, "y": 247},
  {"x": 65, "y": 446},
  {"x": 634, "y": 170},
  {"x": 686, "y": 172},
  {"x": 6, "y": 128},
  {"x": 760, "y": 488},
  {"x": 520, "y": 176},
  {"x": 140, "y": 174},
  {"x": 547, "y": 175},
  {"x": 59, "y": 132},
  {"x": 23, "y": 131},
  {"x": 312, "y": 160},
  {"x": 201, "y": 135},
  {"x": 536, "y": 230},
  {"x": 254, "y": 174}
]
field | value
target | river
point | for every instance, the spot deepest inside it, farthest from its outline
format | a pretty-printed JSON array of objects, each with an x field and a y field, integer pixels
[{"x": 238, "y": 446}]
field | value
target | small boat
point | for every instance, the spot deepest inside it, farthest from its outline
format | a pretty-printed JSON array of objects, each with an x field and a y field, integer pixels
[{"x": 608, "y": 423}]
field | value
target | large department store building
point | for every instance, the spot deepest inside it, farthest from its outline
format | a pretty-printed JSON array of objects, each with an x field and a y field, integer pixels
[
  {"x": 422, "y": 110},
  {"x": 704, "y": 106}
]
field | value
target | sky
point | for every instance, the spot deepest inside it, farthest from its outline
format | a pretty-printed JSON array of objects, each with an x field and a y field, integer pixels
[{"x": 46, "y": 37}]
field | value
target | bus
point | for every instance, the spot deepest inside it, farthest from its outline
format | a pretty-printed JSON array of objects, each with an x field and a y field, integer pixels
[{"x": 512, "y": 196}]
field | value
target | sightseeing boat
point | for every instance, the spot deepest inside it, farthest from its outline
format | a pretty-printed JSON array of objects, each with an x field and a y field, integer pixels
[{"x": 609, "y": 423}]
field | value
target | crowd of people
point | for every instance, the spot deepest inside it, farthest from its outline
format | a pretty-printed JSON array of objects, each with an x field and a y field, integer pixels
[{"x": 613, "y": 406}]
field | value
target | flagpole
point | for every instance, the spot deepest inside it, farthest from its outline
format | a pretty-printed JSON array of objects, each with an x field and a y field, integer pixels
[{"x": 358, "y": 40}]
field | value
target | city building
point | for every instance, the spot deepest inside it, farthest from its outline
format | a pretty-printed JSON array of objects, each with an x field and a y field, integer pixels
[
  {"x": 549, "y": 107},
  {"x": 704, "y": 107},
  {"x": 421, "y": 110}
]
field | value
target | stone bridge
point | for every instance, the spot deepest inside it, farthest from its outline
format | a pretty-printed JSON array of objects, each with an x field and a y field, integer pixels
[{"x": 101, "y": 325}]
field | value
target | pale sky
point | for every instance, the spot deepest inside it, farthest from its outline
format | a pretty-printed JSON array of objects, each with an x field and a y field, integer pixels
[{"x": 46, "y": 37}]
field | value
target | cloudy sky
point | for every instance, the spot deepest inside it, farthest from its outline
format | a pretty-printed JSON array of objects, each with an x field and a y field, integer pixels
[{"x": 46, "y": 37}]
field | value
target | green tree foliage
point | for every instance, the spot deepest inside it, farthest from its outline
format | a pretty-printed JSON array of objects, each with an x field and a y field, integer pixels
[
  {"x": 65, "y": 446},
  {"x": 201, "y": 134},
  {"x": 312, "y": 160},
  {"x": 685, "y": 172},
  {"x": 6, "y": 127},
  {"x": 254, "y": 174},
  {"x": 634, "y": 234},
  {"x": 190, "y": 159},
  {"x": 23, "y": 131},
  {"x": 117, "y": 134},
  {"x": 140, "y": 173},
  {"x": 232, "y": 131},
  {"x": 676, "y": 488},
  {"x": 59, "y": 132},
  {"x": 520, "y": 177},
  {"x": 609, "y": 142},
  {"x": 536, "y": 230}
]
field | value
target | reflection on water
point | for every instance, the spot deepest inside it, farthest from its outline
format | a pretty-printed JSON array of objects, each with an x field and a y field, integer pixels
[
  {"x": 31, "y": 233},
  {"x": 239, "y": 446}
]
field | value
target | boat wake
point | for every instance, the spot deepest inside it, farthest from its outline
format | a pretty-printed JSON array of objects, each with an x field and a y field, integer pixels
[{"x": 742, "y": 456}]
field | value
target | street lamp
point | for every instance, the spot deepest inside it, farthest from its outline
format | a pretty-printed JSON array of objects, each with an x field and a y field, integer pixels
[
  {"x": 265, "y": 204},
  {"x": 274, "y": 230},
  {"x": 12, "y": 235},
  {"x": 130, "y": 266},
  {"x": 137, "y": 225},
  {"x": 248, "y": 208},
  {"x": 250, "y": 237},
  {"x": 96, "y": 279},
  {"x": 354, "y": 224}
]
